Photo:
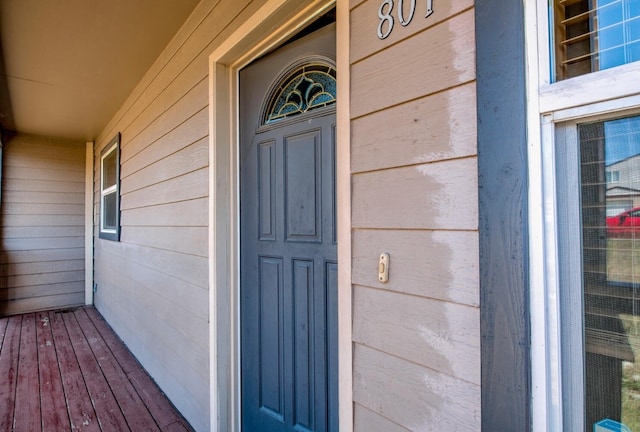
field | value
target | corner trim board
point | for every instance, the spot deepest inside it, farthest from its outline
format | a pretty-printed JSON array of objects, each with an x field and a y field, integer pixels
[
  {"x": 88, "y": 225},
  {"x": 503, "y": 208}
]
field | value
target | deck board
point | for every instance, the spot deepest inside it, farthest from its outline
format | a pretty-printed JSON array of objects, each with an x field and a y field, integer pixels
[
  {"x": 27, "y": 409},
  {"x": 9, "y": 371},
  {"x": 135, "y": 412},
  {"x": 167, "y": 418},
  {"x": 3, "y": 328},
  {"x": 81, "y": 412},
  {"x": 53, "y": 408},
  {"x": 108, "y": 412},
  {"x": 67, "y": 370}
]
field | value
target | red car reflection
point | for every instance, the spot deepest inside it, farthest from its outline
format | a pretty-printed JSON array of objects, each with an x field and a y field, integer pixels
[{"x": 626, "y": 224}]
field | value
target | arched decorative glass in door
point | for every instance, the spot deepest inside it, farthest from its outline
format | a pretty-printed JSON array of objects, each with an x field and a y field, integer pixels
[{"x": 306, "y": 87}]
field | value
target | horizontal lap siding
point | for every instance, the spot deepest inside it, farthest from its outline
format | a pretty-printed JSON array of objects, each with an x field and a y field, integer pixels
[
  {"x": 152, "y": 286},
  {"x": 42, "y": 220},
  {"x": 415, "y": 195}
]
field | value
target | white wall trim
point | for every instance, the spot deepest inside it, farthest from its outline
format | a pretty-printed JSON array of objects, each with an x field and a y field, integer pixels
[
  {"x": 343, "y": 181},
  {"x": 269, "y": 26},
  {"x": 546, "y": 404},
  {"x": 588, "y": 89},
  {"x": 88, "y": 225},
  {"x": 536, "y": 227},
  {"x": 630, "y": 103}
]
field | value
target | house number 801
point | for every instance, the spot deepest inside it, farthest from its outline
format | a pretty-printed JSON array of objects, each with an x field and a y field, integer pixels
[{"x": 386, "y": 19}]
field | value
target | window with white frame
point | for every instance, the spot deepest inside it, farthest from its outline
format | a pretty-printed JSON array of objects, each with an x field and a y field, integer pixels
[
  {"x": 584, "y": 172},
  {"x": 110, "y": 190},
  {"x": 612, "y": 175},
  {"x": 593, "y": 35}
]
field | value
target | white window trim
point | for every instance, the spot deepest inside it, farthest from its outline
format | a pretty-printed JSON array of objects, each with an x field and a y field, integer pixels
[
  {"x": 111, "y": 234},
  {"x": 108, "y": 191},
  {"x": 599, "y": 93}
]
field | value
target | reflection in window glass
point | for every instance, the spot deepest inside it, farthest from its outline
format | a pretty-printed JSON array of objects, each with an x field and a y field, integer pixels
[
  {"x": 592, "y": 35},
  {"x": 610, "y": 207},
  {"x": 110, "y": 210},
  {"x": 612, "y": 176},
  {"x": 110, "y": 169}
]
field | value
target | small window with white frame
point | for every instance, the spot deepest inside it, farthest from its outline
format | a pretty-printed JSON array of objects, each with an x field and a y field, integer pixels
[
  {"x": 613, "y": 175},
  {"x": 584, "y": 201},
  {"x": 110, "y": 190}
]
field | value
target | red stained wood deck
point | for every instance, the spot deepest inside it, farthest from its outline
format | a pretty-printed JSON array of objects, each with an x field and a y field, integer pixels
[{"x": 67, "y": 370}]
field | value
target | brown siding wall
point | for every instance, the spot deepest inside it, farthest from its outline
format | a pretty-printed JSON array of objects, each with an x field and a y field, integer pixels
[
  {"x": 42, "y": 224},
  {"x": 415, "y": 195},
  {"x": 152, "y": 287}
]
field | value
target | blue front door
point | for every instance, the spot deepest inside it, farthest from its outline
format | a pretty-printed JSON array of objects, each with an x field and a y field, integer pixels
[{"x": 288, "y": 262}]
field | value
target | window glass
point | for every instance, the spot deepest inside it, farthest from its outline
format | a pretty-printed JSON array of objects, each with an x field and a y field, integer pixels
[
  {"x": 109, "y": 203},
  {"x": 612, "y": 176},
  {"x": 610, "y": 213},
  {"x": 592, "y": 35},
  {"x": 309, "y": 87},
  {"x": 110, "y": 169}
]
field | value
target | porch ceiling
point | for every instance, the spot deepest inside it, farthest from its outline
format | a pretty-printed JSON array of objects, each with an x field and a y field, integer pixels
[{"x": 66, "y": 66}]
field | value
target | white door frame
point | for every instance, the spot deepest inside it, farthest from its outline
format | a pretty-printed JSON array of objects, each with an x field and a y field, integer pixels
[{"x": 253, "y": 38}]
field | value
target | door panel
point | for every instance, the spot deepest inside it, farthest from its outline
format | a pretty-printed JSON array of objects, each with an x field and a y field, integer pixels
[
  {"x": 271, "y": 362},
  {"x": 288, "y": 256},
  {"x": 267, "y": 189},
  {"x": 302, "y": 168}
]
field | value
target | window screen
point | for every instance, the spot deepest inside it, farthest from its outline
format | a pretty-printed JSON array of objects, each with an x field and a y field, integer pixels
[
  {"x": 610, "y": 218},
  {"x": 592, "y": 35}
]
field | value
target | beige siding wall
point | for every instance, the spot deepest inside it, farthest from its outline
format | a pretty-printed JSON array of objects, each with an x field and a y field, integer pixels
[
  {"x": 414, "y": 195},
  {"x": 416, "y": 363},
  {"x": 42, "y": 224},
  {"x": 152, "y": 286}
]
